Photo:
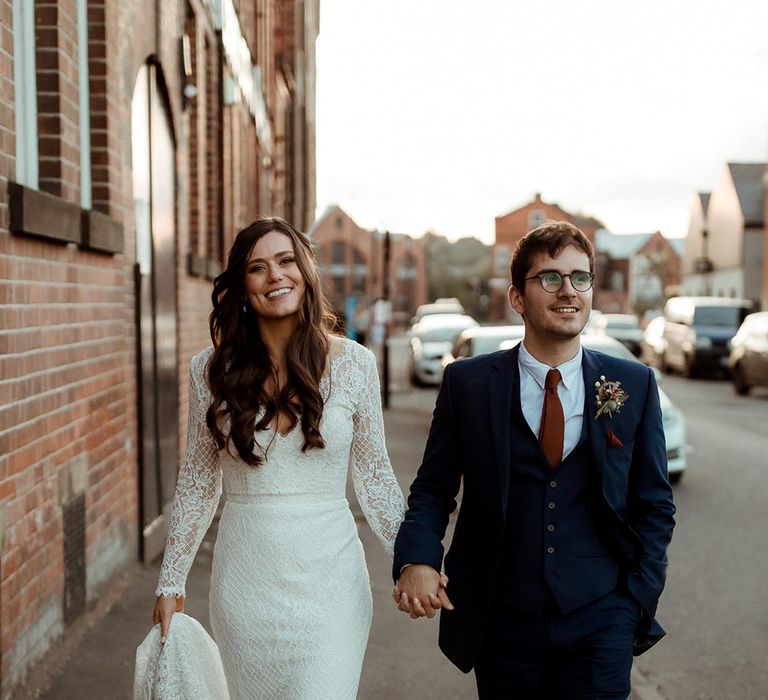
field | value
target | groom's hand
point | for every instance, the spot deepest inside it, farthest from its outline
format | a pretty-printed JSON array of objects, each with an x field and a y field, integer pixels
[{"x": 420, "y": 591}]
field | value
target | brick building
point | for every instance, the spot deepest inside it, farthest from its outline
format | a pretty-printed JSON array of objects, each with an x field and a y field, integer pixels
[
  {"x": 135, "y": 138},
  {"x": 635, "y": 273},
  {"x": 510, "y": 228},
  {"x": 351, "y": 261}
]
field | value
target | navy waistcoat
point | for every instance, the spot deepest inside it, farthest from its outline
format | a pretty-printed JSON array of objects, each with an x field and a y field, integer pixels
[{"x": 556, "y": 539}]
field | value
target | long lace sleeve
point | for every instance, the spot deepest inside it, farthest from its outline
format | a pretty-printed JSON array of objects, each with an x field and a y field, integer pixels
[
  {"x": 375, "y": 483},
  {"x": 198, "y": 488}
]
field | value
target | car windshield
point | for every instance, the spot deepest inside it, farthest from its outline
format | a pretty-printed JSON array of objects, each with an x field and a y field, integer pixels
[
  {"x": 441, "y": 335},
  {"x": 729, "y": 316},
  {"x": 489, "y": 343},
  {"x": 623, "y": 325}
]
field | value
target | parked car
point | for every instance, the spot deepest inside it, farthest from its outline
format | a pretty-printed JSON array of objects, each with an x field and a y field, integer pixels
[
  {"x": 624, "y": 327},
  {"x": 672, "y": 417},
  {"x": 431, "y": 338},
  {"x": 594, "y": 314},
  {"x": 748, "y": 360},
  {"x": 698, "y": 332},
  {"x": 478, "y": 340},
  {"x": 653, "y": 344},
  {"x": 447, "y": 305}
]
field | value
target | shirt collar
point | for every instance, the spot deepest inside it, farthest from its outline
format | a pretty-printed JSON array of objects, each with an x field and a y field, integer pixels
[{"x": 569, "y": 370}]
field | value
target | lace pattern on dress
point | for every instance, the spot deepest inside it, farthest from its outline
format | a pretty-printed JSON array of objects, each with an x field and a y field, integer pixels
[{"x": 352, "y": 375}]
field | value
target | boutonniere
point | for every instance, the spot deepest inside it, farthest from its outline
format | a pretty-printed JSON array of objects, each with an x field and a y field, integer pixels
[{"x": 609, "y": 397}]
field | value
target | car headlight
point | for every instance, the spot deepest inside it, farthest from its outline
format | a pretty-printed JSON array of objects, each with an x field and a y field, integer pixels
[{"x": 703, "y": 343}]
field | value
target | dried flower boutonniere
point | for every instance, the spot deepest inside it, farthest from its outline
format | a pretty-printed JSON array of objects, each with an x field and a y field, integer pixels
[{"x": 609, "y": 397}]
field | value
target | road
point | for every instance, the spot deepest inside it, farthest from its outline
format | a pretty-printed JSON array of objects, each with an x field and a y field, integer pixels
[{"x": 714, "y": 608}]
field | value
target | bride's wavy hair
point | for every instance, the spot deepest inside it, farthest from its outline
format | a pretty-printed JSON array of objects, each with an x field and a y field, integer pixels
[{"x": 240, "y": 366}]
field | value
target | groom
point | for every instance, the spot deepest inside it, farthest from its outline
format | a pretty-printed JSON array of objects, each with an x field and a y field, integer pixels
[{"x": 559, "y": 552}]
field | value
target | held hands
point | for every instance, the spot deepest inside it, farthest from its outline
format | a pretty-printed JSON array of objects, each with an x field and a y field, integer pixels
[
  {"x": 420, "y": 591},
  {"x": 165, "y": 607}
]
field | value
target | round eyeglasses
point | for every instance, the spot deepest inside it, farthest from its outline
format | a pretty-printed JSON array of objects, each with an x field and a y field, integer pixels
[{"x": 552, "y": 282}]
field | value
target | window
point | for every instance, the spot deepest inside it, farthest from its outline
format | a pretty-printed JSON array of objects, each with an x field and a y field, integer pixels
[
  {"x": 338, "y": 253},
  {"x": 24, "y": 76},
  {"x": 536, "y": 217},
  {"x": 86, "y": 198},
  {"x": 501, "y": 259}
]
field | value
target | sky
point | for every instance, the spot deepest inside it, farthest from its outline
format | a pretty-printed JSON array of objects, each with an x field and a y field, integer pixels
[{"x": 442, "y": 115}]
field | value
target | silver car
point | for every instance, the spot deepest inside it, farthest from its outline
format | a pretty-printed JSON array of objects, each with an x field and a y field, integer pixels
[{"x": 431, "y": 338}]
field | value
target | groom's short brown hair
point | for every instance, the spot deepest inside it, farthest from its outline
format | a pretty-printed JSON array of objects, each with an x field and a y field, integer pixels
[{"x": 549, "y": 238}]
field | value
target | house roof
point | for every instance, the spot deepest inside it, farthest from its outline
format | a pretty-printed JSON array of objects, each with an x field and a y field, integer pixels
[
  {"x": 621, "y": 246},
  {"x": 748, "y": 181},
  {"x": 678, "y": 245},
  {"x": 704, "y": 199},
  {"x": 330, "y": 209}
]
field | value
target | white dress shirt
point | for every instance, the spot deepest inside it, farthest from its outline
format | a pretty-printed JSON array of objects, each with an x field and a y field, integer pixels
[{"x": 570, "y": 389}]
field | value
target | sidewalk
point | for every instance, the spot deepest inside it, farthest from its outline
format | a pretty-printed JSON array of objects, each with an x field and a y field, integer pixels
[{"x": 95, "y": 658}]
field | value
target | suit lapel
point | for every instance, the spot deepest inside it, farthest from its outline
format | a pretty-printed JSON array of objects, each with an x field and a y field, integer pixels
[
  {"x": 501, "y": 388},
  {"x": 591, "y": 369}
]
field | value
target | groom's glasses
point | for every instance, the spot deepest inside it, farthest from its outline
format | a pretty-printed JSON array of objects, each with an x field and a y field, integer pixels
[{"x": 553, "y": 281}]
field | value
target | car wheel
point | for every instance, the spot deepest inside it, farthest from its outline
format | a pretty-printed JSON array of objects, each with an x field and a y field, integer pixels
[
  {"x": 675, "y": 477},
  {"x": 740, "y": 385},
  {"x": 690, "y": 367}
]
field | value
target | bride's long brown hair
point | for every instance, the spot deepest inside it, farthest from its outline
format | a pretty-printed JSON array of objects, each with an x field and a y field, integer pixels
[{"x": 240, "y": 366}]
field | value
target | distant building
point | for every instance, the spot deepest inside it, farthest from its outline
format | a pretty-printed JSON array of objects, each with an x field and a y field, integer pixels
[
  {"x": 726, "y": 253},
  {"x": 696, "y": 261},
  {"x": 351, "y": 260},
  {"x": 635, "y": 272},
  {"x": 510, "y": 228}
]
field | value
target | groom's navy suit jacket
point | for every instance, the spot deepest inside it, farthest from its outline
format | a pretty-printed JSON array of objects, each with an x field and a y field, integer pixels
[{"x": 471, "y": 444}]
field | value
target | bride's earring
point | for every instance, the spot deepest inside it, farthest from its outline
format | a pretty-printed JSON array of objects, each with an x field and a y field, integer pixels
[{"x": 245, "y": 308}]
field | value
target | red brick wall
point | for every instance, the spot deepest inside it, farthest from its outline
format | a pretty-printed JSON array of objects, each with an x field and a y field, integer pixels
[
  {"x": 57, "y": 98},
  {"x": 69, "y": 395},
  {"x": 67, "y": 314},
  {"x": 109, "y": 110}
]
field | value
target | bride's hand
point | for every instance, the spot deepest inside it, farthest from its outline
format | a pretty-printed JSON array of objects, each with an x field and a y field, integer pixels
[{"x": 164, "y": 609}]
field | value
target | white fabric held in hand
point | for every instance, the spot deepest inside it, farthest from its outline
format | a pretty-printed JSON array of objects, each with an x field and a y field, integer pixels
[{"x": 187, "y": 666}]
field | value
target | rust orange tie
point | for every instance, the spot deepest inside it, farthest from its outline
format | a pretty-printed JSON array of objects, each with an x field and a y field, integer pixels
[{"x": 552, "y": 427}]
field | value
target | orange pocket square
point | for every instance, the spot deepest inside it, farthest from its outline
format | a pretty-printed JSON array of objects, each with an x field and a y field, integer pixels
[{"x": 612, "y": 440}]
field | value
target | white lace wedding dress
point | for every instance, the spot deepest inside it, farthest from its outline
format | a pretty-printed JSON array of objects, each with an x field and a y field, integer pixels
[{"x": 290, "y": 598}]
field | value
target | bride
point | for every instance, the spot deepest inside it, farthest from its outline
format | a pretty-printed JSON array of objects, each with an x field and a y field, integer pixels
[{"x": 279, "y": 409}]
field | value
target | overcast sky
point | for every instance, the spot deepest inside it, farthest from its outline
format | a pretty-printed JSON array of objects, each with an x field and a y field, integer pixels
[{"x": 440, "y": 114}]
